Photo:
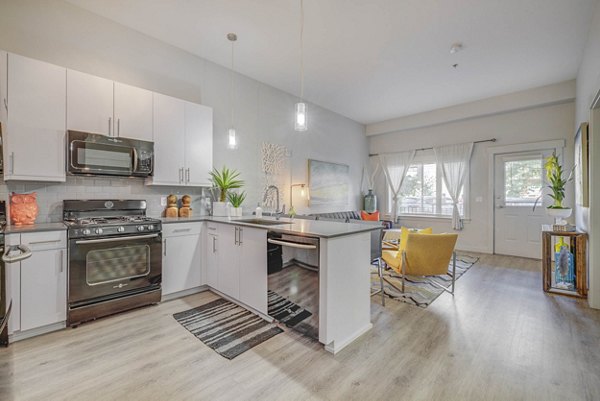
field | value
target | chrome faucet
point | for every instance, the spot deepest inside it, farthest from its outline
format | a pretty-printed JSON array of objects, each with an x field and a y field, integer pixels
[{"x": 278, "y": 212}]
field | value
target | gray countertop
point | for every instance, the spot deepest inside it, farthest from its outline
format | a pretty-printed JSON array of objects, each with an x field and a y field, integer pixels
[
  {"x": 317, "y": 228},
  {"x": 10, "y": 229}
]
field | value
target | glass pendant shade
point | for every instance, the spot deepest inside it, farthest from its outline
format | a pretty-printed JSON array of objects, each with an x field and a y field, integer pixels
[
  {"x": 300, "y": 120},
  {"x": 232, "y": 139}
]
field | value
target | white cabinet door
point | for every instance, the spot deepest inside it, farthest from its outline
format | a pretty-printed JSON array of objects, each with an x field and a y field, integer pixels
[
  {"x": 44, "y": 289},
  {"x": 34, "y": 141},
  {"x": 212, "y": 260},
  {"x": 229, "y": 260},
  {"x": 198, "y": 144},
  {"x": 3, "y": 81},
  {"x": 253, "y": 268},
  {"x": 89, "y": 103},
  {"x": 182, "y": 268},
  {"x": 133, "y": 112},
  {"x": 169, "y": 140}
]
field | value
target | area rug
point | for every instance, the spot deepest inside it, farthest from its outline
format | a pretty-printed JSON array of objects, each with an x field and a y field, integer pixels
[
  {"x": 285, "y": 311},
  {"x": 226, "y": 327},
  {"x": 418, "y": 290}
]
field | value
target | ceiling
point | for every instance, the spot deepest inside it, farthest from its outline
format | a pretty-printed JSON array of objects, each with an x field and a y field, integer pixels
[{"x": 378, "y": 59}]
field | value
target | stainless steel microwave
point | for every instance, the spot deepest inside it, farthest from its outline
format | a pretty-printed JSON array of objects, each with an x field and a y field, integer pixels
[{"x": 94, "y": 154}]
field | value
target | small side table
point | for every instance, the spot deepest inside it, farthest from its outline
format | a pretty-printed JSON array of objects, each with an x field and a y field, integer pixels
[{"x": 564, "y": 263}]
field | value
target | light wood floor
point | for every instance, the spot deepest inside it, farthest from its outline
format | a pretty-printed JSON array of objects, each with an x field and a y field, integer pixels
[{"x": 499, "y": 338}]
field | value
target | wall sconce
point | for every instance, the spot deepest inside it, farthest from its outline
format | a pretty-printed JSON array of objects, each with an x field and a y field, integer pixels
[{"x": 302, "y": 192}]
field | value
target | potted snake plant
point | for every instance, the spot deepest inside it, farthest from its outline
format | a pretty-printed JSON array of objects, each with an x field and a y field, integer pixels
[{"x": 224, "y": 180}]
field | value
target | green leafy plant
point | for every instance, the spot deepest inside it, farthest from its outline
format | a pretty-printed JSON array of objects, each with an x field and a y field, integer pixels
[
  {"x": 236, "y": 199},
  {"x": 225, "y": 180},
  {"x": 554, "y": 176}
]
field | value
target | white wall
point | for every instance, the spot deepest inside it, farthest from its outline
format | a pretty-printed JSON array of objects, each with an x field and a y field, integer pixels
[
  {"x": 530, "y": 125},
  {"x": 66, "y": 35},
  {"x": 588, "y": 85}
]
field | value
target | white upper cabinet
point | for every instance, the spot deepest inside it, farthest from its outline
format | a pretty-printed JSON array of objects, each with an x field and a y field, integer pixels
[
  {"x": 34, "y": 141},
  {"x": 3, "y": 93},
  {"x": 198, "y": 144},
  {"x": 89, "y": 103},
  {"x": 182, "y": 142},
  {"x": 169, "y": 140},
  {"x": 133, "y": 112}
]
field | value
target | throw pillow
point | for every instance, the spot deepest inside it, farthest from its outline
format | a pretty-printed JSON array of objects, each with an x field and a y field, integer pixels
[{"x": 369, "y": 216}]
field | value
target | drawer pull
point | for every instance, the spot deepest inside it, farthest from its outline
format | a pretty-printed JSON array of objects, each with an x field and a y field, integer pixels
[
  {"x": 45, "y": 242},
  {"x": 181, "y": 230}
]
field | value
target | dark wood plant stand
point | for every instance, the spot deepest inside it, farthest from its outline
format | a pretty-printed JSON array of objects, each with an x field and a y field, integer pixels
[{"x": 578, "y": 245}]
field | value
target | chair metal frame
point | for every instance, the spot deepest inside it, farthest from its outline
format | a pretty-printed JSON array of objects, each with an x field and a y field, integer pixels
[
  {"x": 381, "y": 278},
  {"x": 403, "y": 277}
]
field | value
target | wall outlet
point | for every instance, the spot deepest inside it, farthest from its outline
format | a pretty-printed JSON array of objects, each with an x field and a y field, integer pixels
[{"x": 163, "y": 201}]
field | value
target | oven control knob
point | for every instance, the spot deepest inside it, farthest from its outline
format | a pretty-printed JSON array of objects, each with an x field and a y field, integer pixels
[
  {"x": 150, "y": 227},
  {"x": 86, "y": 231},
  {"x": 98, "y": 231},
  {"x": 120, "y": 229},
  {"x": 140, "y": 228}
]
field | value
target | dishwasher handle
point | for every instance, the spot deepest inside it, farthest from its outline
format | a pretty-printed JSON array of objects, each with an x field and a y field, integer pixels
[{"x": 291, "y": 244}]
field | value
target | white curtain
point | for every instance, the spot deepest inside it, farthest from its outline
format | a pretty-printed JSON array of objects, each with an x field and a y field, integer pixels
[
  {"x": 454, "y": 161},
  {"x": 395, "y": 166},
  {"x": 370, "y": 173}
]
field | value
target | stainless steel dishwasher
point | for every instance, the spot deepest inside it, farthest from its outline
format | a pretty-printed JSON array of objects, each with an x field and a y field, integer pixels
[{"x": 293, "y": 282}]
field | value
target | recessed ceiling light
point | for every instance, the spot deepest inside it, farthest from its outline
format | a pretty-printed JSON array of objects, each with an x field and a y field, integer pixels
[{"x": 456, "y": 47}]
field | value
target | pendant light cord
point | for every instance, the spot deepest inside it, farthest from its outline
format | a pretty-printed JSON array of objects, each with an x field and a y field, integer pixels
[
  {"x": 232, "y": 84},
  {"x": 302, "y": 49}
]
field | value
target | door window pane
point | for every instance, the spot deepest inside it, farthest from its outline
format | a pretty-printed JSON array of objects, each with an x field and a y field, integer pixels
[{"x": 523, "y": 181}]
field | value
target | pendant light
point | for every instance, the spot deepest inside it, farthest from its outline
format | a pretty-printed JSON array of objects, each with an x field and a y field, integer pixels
[
  {"x": 232, "y": 140},
  {"x": 300, "y": 123}
]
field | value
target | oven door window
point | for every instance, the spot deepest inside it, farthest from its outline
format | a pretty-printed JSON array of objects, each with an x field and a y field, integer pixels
[
  {"x": 92, "y": 157},
  {"x": 117, "y": 264}
]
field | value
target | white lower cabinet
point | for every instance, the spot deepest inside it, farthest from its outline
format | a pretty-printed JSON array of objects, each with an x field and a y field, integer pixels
[
  {"x": 182, "y": 257},
  {"x": 39, "y": 283},
  {"x": 242, "y": 265}
]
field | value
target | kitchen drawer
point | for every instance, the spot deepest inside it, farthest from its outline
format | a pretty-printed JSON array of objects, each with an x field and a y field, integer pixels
[
  {"x": 41, "y": 241},
  {"x": 177, "y": 229},
  {"x": 212, "y": 227}
]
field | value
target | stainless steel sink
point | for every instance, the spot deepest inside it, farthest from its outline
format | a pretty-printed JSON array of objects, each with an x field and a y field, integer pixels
[{"x": 264, "y": 222}]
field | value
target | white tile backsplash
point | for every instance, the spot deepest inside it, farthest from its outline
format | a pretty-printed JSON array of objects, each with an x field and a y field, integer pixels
[{"x": 51, "y": 195}]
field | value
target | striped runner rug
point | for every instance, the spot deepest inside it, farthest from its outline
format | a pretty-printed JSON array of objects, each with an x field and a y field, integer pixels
[
  {"x": 418, "y": 290},
  {"x": 226, "y": 327},
  {"x": 285, "y": 311}
]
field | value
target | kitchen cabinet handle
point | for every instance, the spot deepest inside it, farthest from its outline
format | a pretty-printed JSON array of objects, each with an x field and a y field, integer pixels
[
  {"x": 240, "y": 236},
  {"x": 5, "y": 104},
  {"x": 212, "y": 228},
  {"x": 62, "y": 254},
  {"x": 182, "y": 230},
  {"x": 12, "y": 162},
  {"x": 113, "y": 239},
  {"x": 118, "y": 127},
  {"x": 165, "y": 247},
  {"x": 44, "y": 242},
  {"x": 214, "y": 244},
  {"x": 236, "y": 235},
  {"x": 181, "y": 175},
  {"x": 187, "y": 175},
  {"x": 109, "y": 125}
]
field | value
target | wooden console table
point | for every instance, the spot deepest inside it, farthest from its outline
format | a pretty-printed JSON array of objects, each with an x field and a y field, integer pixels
[{"x": 577, "y": 243}]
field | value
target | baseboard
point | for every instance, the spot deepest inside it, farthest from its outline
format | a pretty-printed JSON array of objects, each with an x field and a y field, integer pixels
[
  {"x": 336, "y": 346},
  {"x": 184, "y": 293},
  {"x": 38, "y": 331}
]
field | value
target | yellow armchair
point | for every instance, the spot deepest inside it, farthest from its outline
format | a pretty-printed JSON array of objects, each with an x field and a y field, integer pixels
[{"x": 424, "y": 255}]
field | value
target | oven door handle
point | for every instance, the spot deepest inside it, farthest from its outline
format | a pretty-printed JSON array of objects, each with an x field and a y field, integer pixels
[
  {"x": 25, "y": 253},
  {"x": 291, "y": 244},
  {"x": 113, "y": 239}
]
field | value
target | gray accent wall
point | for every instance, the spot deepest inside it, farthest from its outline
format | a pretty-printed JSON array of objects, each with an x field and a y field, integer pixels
[{"x": 65, "y": 35}]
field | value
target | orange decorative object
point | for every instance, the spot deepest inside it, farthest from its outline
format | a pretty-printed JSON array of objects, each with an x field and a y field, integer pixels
[
  {"x": 185, "y": 210},
  {"x": 23, "y": 208},
  {"x": 369, "y": 216}
]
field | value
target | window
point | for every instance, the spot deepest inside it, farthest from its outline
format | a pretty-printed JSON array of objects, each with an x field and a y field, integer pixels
[
  {"x": 523, "y": 181},
  {"x": 424, "y": 193}
]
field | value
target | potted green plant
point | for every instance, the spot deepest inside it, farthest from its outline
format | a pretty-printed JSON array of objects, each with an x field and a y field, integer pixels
[
  {"x": 224, "y": 180},
  {"x": 236, "y": 200},
  {"x": 556, "y": 184}
]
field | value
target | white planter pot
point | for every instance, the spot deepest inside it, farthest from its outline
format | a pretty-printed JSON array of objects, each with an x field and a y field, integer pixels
[
  {"x": 559, "y": 213},
  {"x": 236, "y": 211},
  {"x": 220, "y": 209}
]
